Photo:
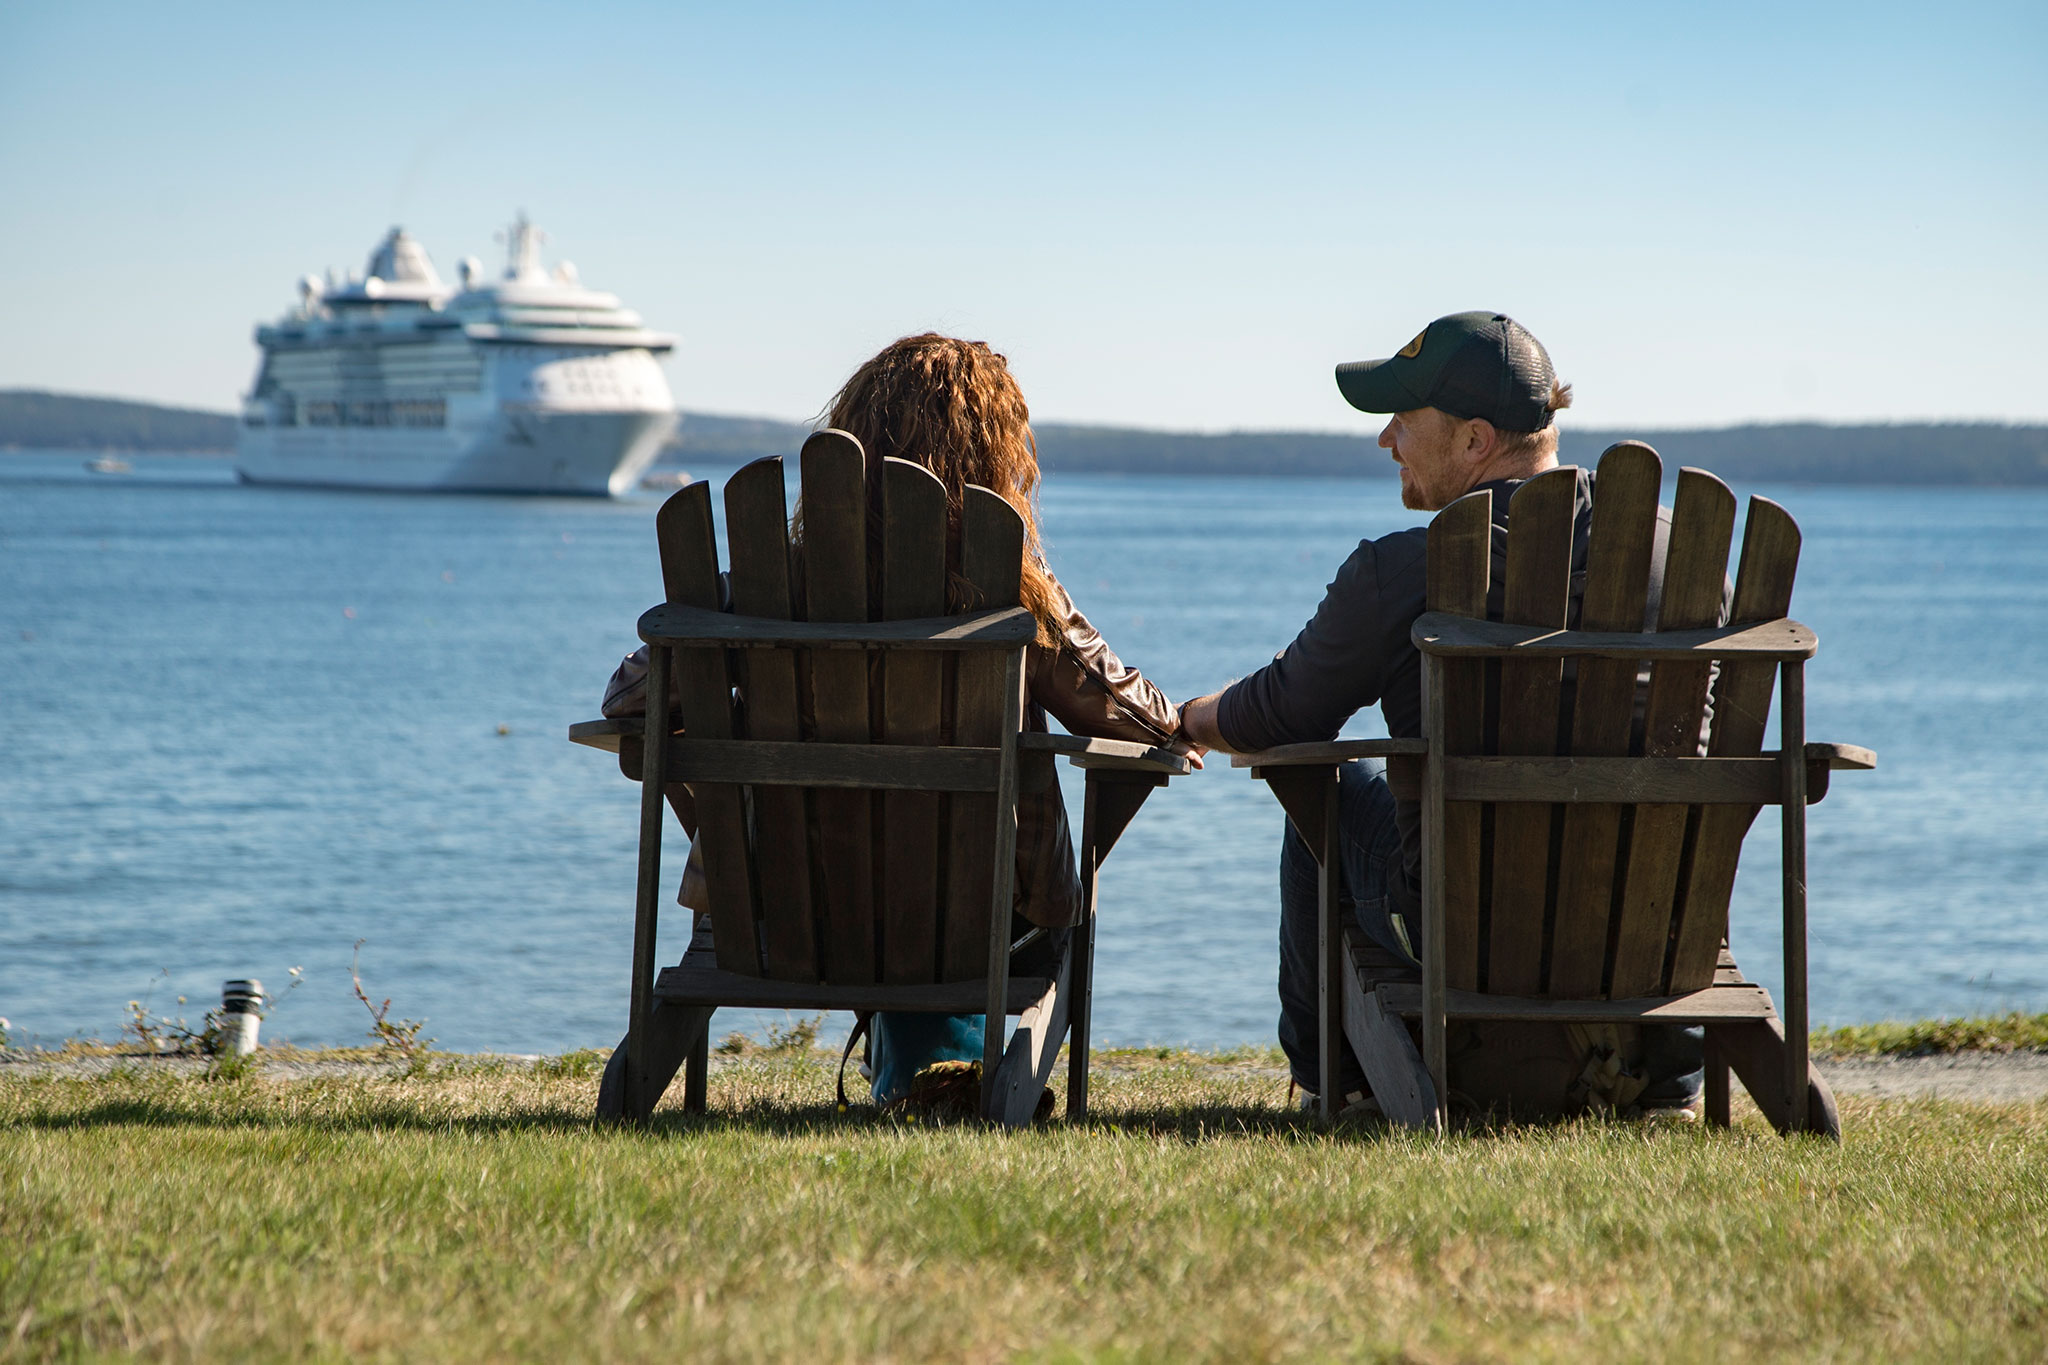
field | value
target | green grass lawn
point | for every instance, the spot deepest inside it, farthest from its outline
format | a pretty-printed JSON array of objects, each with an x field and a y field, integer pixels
[{"x": 476, "y": 1214}]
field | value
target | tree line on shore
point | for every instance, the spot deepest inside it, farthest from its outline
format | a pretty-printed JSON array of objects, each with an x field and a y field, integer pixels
[{"x": 1980, "y": 453}]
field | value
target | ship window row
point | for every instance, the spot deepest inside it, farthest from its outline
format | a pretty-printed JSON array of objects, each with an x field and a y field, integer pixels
[
  {"x": 449, "y": 370},
  {"x": 378, "y": 412}
]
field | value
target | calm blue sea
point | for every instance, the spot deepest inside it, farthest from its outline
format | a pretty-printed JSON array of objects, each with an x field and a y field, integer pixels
[{"x": 242, "y": 729}]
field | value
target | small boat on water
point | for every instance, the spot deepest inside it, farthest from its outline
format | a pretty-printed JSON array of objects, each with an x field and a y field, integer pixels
[
  {"x": 109, "y": 464},
  {"x": 664, "y": 480}
]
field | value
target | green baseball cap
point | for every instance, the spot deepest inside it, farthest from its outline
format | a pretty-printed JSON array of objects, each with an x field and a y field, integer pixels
[{"x": 1469, "y": 365}]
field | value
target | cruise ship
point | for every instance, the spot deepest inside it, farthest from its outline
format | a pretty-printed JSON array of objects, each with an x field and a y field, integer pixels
[{"x": 529, "y": 383}]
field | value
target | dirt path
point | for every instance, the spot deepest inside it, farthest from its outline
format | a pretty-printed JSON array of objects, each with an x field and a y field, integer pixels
[{"x": 1982, "y": 1077}]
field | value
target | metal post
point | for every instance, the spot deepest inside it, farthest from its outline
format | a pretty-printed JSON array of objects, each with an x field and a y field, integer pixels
[{"x": 1792, "y": 763}]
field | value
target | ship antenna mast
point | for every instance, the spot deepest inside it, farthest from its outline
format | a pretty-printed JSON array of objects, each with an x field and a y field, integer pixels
[{"x": 522, "y": 249}]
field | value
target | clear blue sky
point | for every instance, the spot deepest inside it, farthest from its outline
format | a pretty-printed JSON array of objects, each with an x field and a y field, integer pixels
[{"x": 1175, "y": 215}]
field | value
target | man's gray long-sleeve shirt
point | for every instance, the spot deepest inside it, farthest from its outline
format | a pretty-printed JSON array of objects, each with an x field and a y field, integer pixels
[{"x": 1355, "y": 650}]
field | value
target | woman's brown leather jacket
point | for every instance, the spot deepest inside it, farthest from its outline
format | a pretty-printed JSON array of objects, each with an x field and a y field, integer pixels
[{"x": 1081, "y": 683}]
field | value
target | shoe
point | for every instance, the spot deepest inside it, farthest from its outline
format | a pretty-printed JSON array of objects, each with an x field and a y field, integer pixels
[
  {"x": 1668, "y": 1115},
  {"x": 1357, "y": 1104},
  {"x": 950, "y": 1092}
]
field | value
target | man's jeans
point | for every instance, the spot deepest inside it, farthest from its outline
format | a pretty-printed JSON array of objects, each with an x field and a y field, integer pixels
[{"x": 1368, "y": 858}]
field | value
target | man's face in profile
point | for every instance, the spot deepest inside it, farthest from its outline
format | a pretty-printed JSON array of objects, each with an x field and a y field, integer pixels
[{"x": 1425, "y": 444}]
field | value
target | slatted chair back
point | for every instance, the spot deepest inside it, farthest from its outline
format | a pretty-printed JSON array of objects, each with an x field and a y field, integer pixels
[
  {"x": 876, "y": 871},
  {"x": 1590, "y": 901}
]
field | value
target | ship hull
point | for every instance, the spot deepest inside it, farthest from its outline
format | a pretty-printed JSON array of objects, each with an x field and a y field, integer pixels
[{"x": 595, "y": 454}]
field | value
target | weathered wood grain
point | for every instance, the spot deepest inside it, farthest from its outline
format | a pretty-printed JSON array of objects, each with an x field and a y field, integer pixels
[
  {"x": 1769, "y": 641},
  {"x": 1033, "y": 1051},
  {"x": 1695, "y": 574},
  {"x": 757, "y": 545},
  {"x": 1617, "y": 584},
  {"x": 1538, "y": 592},
  {"x": 913, "y": 585},
  {"x": 1715, "y": 1003},
  {"x": 1621, "y": 781},
  {"x": 708, "y": 985},
  {"x": 1329, "y": 751},
  {"x": 842, "y": 767},
  {"x": 1460, "y": 568},
  {"x": 689, "y": 572},
  {"x": 1380, "y": 1041},
  {"x": 835, "y": 513},
  {"x": 991, "y": 631},
  {"x": 984, "y": 712},
  {"x": 1742, "y": 704}
]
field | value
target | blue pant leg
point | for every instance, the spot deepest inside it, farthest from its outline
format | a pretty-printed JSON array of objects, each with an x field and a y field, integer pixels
[
  {"x": 1674, "y": 1064},
  {"x": 1369, "y": 854}
]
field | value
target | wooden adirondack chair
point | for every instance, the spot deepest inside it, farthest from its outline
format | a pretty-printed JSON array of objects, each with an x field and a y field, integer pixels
[
  {"x": 858, "y": 823},
  {"x": 1592, "y": 881}
]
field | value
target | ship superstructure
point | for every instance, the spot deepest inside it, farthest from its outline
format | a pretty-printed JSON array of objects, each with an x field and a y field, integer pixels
[{"x": 529, "y": 383}]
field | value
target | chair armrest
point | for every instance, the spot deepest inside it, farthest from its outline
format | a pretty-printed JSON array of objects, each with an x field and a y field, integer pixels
[
  {"x": 1329, "y": 751},
  {"x": 606, "y": 734},
  {"x": 1459, "y": 637},
  {"x": 1107, "y": 753},
  {"x": 1842, "y": 757},
  {"x": 610, "y": 736}
]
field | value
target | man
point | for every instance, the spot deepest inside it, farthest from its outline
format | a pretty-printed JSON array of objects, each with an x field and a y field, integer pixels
[{"x": 1472, "y": 402}]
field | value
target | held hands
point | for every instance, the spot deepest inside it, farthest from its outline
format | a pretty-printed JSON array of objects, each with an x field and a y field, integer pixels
[{"x": 1198, "y": 726}]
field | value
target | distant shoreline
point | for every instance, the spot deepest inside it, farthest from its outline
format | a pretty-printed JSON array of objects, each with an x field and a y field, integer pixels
[{"x": 1966, "y": 454}]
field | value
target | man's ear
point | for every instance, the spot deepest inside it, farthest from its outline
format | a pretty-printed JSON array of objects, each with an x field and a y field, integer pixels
[{"x": 1482, "y": 438}]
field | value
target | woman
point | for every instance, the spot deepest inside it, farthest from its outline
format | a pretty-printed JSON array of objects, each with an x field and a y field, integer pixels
[{"x": 953, "y": 407}]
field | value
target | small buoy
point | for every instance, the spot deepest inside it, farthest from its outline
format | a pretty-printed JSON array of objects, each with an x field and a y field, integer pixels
[
  {"x": 504, "y": 729},
  {"x": 348, "y": 613},
  {"x": 241, "y": 1015}
]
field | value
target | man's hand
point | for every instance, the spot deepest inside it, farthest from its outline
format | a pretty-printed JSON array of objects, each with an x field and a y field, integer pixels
[{"x": 1198, "y": 723}]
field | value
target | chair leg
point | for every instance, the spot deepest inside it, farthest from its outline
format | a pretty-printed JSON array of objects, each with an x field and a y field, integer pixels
[
  {"x": 1393, "y": 1066},
  {"x": 675, "y": 1033},
  {"x": 697, "y": 1070},
  {"x": 1083, "y": 951},
  {"x": 1331, "y": 965},
  {"x": 1717, "y": 1081},
  {"x": 1033, "y": 1052},
  {"x": 1387, "y": 1052},
  {"x": 1757, "y": 1049}
]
